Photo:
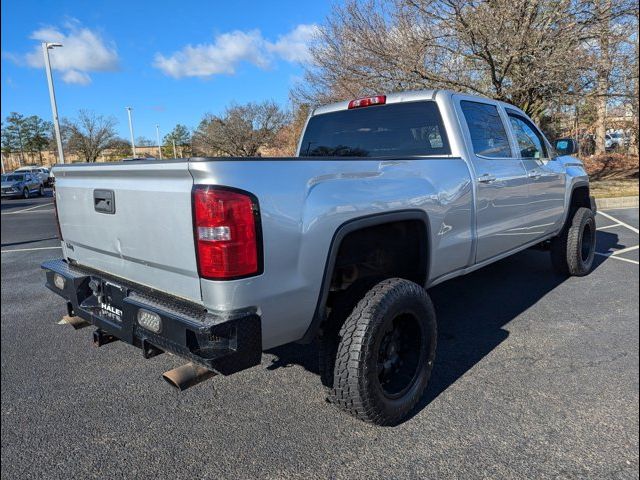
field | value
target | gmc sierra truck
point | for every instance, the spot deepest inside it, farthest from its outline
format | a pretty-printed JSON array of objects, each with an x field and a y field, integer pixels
[{"x": 218, "y": 259}]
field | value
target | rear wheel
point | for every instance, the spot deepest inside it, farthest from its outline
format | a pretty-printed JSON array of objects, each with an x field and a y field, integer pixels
[
  {"x": 41, "y": 190},
  {"x": 385, "y": 353},
  {"x": 343, "y": 305},
  {"x": 573, "y": 250}
]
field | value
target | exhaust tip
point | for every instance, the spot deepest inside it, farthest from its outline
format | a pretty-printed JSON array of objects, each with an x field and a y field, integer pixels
[
  {"x": 187, "y": 376},
  {"x": 76, "y": 322}
]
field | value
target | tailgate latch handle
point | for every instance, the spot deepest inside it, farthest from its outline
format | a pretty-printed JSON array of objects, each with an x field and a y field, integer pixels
[{"x": 104, "y": 201}]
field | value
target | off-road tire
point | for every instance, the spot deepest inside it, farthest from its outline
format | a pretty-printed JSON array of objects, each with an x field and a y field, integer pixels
[
  {"x": 357, "y": 387},
  {"x": 343, "y": 305},
  {"x": 573, "y": 250}
]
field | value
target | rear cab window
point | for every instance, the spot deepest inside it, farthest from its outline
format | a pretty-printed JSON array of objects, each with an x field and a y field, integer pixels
[
  {"x": 391, "y": 130},
  {"x": 488, "y": 134}
]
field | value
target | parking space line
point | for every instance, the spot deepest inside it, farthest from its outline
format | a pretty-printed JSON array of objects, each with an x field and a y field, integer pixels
[
  {"x": 33, "y": 211},
  {"x": 625, "y": 250},
  {"x": 28, "y": 249},
  {"x": 609, "y": 226},
  {"x": 626, "y": 225},
  {"x": 27, "y": 209},
  {"x": 611, "y": 255}
]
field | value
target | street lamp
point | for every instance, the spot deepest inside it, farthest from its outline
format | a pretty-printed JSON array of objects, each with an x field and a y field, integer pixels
[
  {"x": 52, "y": 95},
  {"x": 133, "y": 143},
  {"x": 158, "y": 138}
]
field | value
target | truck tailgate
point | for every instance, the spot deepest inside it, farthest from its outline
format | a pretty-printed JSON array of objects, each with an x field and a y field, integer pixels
[{"x": 133, "y": 221}]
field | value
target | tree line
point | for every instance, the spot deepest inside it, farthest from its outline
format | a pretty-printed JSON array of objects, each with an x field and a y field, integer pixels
[
  {"x": 241, "y": 130},
  {"x": 88, "y": 135}
]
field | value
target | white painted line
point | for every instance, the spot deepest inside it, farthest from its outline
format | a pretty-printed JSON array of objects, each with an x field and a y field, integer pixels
[
  {"x": 608, "y": 255},
  {"x": 606, "y": 215},
  {"x": 609, "y": 226},
  {"x": 34, "y": 211},
  {"x": 625, "y": 250},
  {"x": 620, "y": 208},
  {"x": 28, "y": 249},
  {"x": 27, "y": 209}
]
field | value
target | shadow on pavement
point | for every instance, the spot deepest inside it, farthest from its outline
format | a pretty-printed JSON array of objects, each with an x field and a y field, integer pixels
[
  {"x": 28, "y": 241},
  {"x": 6, "y": 204},
  {"x": 19, "y": 203},
  {"x": 472, "y": 311}
]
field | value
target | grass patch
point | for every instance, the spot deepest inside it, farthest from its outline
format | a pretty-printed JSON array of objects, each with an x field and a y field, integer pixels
[{"x": 627, "y": 187}]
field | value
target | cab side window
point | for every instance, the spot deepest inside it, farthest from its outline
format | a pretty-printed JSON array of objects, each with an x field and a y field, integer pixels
[
  {"x": 488, "y": 135},
  {"x": 530, "y": 142}
]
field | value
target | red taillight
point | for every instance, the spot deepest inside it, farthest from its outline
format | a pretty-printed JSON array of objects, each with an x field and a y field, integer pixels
[
  {"x": 55, "y": 211},
  {"x": 368, "y": 101},
  {"x": 226, "y": 233}
]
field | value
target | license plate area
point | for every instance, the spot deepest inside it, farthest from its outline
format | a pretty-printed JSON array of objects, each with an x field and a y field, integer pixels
[
  {"x": 111, "y": 301},
  {"x": 106, "y": 300}
]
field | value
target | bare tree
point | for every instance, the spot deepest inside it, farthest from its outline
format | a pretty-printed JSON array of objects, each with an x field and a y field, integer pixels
[
  {"x": 634, "y": 64},
  {"x": 90, "y": 134},
  {"x": 241, "y": 131},
  {"x": 144, "y": 142},
  {"x": 603, "y": 69},
  {"x": 526, "y": 52}
]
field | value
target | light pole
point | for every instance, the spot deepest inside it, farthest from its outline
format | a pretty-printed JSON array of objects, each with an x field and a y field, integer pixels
[
  {"x": 52, "y": 95},
  {"x": 158, "y": 138},
  {"x": 175, "y": 155},
  {"x": 133, "y": 143}
]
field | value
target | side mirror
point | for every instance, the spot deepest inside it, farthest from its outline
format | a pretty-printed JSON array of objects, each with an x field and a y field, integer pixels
[{"x": 566, "y": 146}]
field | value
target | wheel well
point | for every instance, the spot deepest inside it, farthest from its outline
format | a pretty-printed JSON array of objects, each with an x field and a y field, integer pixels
[
  {"x": 580, "y": 198},
  {"x": 392, "y": 249}
]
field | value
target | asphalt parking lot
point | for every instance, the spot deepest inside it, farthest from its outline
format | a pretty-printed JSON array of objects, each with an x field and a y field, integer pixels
[{"x": 537, "y": 377}]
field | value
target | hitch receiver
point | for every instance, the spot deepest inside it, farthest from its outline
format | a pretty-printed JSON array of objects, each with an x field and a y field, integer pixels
[{"x": 101, "y": 338}]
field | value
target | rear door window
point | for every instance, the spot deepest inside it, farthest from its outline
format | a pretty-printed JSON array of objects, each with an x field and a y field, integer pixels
[
  {"x": 392, "y": 130},
  {"x": 488, "y": 135}
]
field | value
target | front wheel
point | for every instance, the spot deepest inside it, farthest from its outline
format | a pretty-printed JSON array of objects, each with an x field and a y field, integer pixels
[
  {"x": 386, "y": 352},
  {"x": 25, "y": 193},
  {"x": 573, "y": 250}
]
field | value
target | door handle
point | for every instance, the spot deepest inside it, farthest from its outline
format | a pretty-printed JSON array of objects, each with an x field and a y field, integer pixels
[
  {"x": 534, "y": 174},
  {"x": 104, "y": 201},
  {"x": 486, "y": 178}
]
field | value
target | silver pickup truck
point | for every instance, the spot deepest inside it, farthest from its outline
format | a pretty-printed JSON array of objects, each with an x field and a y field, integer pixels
[{"x": 218, "y": 259}]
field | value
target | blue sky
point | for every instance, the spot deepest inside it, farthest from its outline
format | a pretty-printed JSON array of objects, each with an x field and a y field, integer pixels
[{"x": 171, "y": 61}]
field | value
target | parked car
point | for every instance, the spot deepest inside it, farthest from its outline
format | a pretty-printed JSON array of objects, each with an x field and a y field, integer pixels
[
  {"x": 218, "y": 259},
  {"x": 42, "y": 173},
  {"x": 616, "y": 141},
  {"x": 21, "y": 184}
]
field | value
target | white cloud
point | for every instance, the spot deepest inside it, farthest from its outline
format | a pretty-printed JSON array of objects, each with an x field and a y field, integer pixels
[
  {"x": 74, "y": 76},
  {"x": 84, "y": 51},
  {"x": 221, "y": 56},
  {"x": 228, "y": 50},
  {"x": 294, "y": 46}
]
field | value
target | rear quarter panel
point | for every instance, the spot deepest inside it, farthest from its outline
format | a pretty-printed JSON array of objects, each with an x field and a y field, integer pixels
[{"x": 303, "y": 202}]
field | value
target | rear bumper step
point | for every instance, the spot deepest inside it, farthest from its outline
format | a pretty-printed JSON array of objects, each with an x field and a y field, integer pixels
[{"x": 222, "y": 344}]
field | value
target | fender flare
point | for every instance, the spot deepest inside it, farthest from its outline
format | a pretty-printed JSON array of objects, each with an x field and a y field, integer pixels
[
  {"x": 571, "y": 191},
  {"x": 341, "y": 232}
]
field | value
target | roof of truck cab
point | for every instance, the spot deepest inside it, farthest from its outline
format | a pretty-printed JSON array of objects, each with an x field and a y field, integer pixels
[
  {"x": 397, "y": 97},
  {"x": 411, "y": 96}
]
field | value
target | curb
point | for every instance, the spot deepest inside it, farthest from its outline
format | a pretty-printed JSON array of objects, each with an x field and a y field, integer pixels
[{"x": 618, "y": 202}]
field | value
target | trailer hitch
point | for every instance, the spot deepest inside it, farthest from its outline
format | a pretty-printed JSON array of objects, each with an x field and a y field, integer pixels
[{"x": 101, "y": 338}]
